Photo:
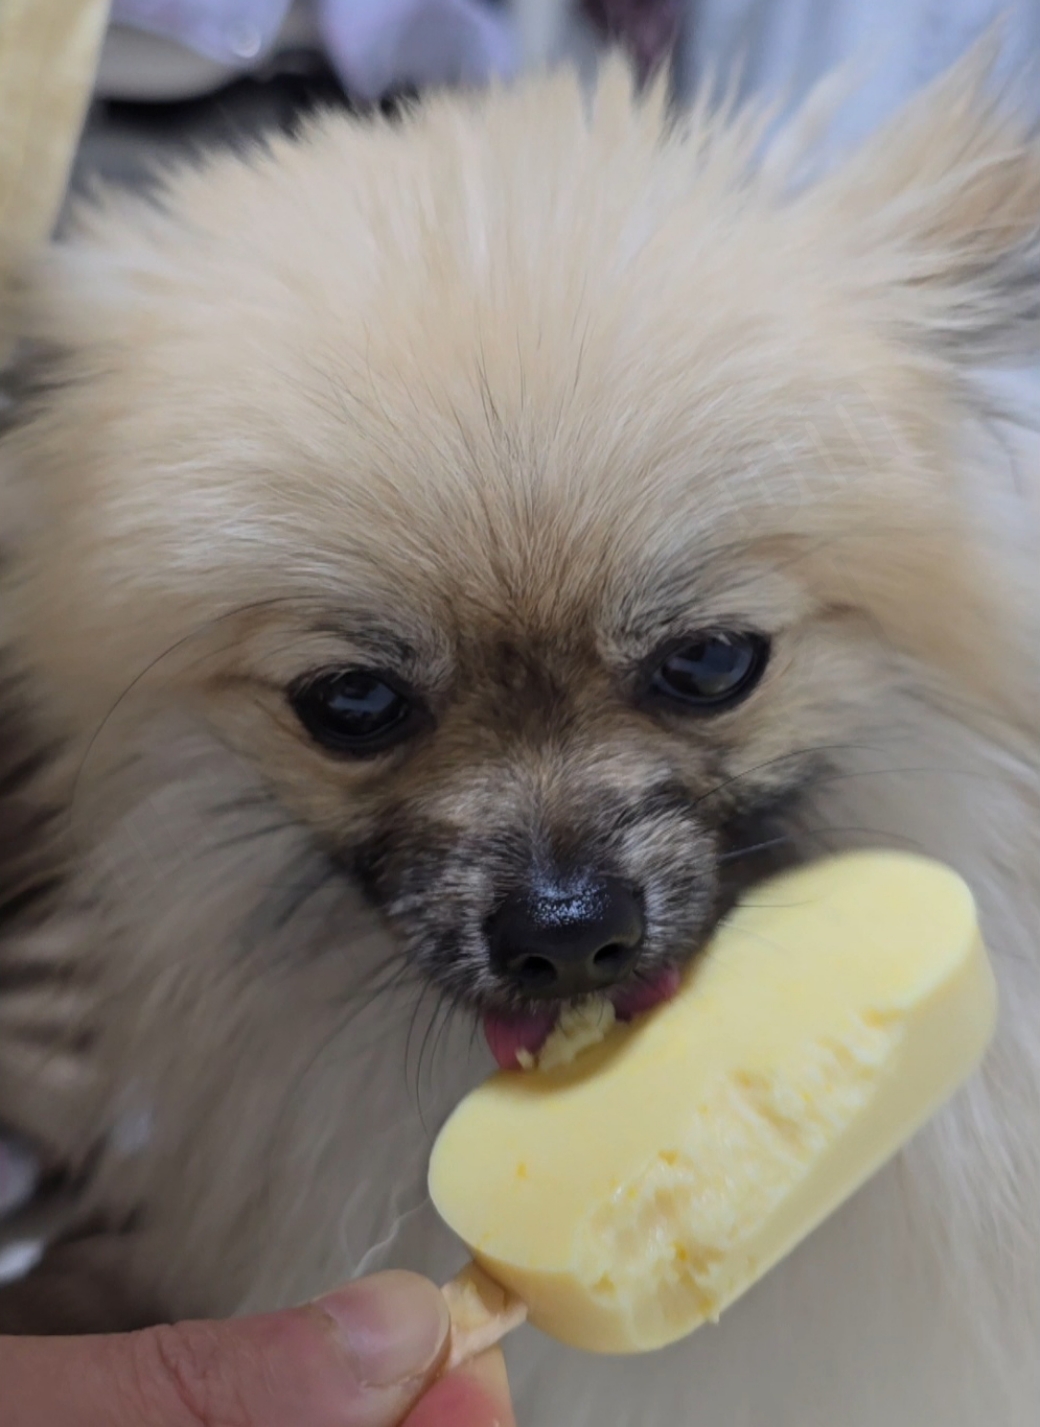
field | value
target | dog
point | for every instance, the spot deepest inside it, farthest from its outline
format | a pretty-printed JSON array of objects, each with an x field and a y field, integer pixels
[{"x": 421, "y": 535}]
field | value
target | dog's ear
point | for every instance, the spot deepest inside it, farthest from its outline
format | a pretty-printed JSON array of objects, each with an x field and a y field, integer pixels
[{"x": 942, "y": 215}]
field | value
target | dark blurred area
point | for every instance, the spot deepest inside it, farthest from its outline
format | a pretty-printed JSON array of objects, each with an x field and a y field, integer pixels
[{"x": 126, "y": 141}]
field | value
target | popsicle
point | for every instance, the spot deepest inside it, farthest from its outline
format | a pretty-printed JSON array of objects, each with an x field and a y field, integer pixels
[{"x": 628, "y": 1195}]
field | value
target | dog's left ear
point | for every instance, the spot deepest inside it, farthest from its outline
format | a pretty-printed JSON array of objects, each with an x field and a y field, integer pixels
[{"x": 941, "y": 212}]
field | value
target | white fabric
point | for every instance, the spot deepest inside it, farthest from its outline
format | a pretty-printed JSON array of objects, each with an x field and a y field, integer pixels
[
  {"x": 378, "y": 45},
  {"x": 781, "y": 48},
  {"x": 375, "y": 45}
]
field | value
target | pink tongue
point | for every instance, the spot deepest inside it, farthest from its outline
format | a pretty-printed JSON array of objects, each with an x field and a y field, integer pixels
[
  {"x": 644, "y": 995},
  {"x": 508, "y": 1034}
]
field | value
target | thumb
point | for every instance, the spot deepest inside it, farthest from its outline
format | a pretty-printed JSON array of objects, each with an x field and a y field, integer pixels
[{"x": 359, "y": 1357}]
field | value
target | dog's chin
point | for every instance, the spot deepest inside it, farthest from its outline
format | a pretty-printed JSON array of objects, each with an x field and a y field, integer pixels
[{"x": 513, "y": 1036}]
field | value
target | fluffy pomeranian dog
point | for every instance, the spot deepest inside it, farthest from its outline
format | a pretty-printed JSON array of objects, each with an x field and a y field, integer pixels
[{"x": 445, "y": 562}]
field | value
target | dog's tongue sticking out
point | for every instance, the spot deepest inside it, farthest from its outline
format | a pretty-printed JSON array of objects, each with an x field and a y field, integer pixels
[
  {"x": 509, "y": 1037},
  {"x": 645, "y": 995},
  {"x": 516, "y": 1040}
]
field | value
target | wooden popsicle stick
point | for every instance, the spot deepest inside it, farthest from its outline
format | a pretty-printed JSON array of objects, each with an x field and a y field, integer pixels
[{"x": 482, "y": 1313}]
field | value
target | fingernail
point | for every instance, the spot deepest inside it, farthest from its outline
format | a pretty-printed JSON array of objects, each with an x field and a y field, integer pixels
[{"x": 393, "y": 1326}]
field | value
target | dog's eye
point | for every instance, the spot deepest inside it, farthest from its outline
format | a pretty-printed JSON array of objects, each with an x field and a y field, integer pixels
[
  {"x": 356, "y": 711},
  {"x": 712, "y": 672}
]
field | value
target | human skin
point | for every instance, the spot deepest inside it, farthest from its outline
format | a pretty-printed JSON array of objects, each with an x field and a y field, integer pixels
[{"x": 368, "y": 1355}]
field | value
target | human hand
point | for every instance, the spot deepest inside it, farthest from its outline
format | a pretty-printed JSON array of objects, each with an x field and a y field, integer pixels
[{"x": 367, "y": 1355}]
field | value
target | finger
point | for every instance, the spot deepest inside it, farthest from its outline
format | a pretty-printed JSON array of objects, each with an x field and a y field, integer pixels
[
  {"x": 358, "y": 1358},
  {"x": 476, "y": 1395}
]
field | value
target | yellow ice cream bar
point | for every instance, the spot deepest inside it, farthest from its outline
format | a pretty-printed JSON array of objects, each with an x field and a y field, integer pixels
[{"x": 633, "y": 1194}]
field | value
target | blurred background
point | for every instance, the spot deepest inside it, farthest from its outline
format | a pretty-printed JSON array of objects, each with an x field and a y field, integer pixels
[{"x": 177, "y": 74}]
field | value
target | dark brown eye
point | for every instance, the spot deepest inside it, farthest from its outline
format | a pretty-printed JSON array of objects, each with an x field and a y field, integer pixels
[
  {"x": 712, "y": 672},
  {"x": 354, "y": 711}
]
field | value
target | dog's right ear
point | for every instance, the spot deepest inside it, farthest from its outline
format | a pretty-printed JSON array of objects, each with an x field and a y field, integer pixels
[{"x": 942, "y": 215}]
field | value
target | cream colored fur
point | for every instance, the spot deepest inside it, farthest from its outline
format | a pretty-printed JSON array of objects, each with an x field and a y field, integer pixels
[{"x": 493, "y": 370}]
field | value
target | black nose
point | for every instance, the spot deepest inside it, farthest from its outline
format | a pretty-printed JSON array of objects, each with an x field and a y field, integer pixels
[{"x": 569, "y": 939}]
